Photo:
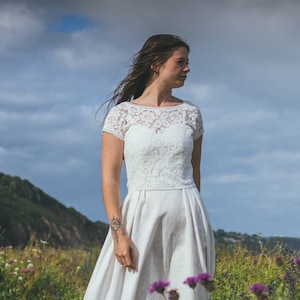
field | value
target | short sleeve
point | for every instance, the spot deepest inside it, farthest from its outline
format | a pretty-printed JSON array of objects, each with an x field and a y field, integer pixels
[
  {"x": 115, "y": 122},
  {"x": 196, "y": 122}
]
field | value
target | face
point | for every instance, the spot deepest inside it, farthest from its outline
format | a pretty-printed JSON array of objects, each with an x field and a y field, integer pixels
[{"x": 174, "y": 71}]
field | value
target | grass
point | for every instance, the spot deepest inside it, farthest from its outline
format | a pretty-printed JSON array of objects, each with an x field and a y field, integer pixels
[
  {"x": 40, "y": 272},
  {"x": 238, "y": 268}
]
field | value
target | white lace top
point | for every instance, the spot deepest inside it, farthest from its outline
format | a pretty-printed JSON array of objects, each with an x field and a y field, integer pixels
[{"x": 158, "y": 143}]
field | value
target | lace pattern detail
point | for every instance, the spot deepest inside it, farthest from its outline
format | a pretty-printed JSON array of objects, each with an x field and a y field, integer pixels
[
  {"x": 158, "y": 143},
  {"x": 126, "y": 114}
]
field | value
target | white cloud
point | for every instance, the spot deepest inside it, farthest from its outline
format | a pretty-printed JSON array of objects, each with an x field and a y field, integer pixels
[
  {"x": 3, "y": 152},
  {"x": 87, "y": 50},
  {"x": 245, "y": 70},
  {"x": 18, "y": 27}
]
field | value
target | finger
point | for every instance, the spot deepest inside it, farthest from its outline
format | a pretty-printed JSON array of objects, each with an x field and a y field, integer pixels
[
  {"x": 133, "y": 258},
  {"x": 128, "y": 261},
  {"x": 120, "y": 259}
]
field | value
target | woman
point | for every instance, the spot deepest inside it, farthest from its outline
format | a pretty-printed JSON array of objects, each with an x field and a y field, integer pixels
[{"x": 161, "y": 230}]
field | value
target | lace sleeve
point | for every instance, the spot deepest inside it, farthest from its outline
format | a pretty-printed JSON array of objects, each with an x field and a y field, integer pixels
[
  {"x": 196, "y": 122},
  {"x": 115, "y": 122}
]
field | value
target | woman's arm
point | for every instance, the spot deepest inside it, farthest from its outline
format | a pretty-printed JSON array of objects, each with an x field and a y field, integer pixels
[
  {"x": 112, "y": 157},
  {"x": 196, "y": 160}
]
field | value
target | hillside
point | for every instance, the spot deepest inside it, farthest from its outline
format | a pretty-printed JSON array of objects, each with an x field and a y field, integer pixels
[
  {"x": 251, "y": 242},
  {"x": 26, "y": 210}
]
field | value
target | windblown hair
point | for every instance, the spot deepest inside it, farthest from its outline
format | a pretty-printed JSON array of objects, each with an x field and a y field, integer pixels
[{"x": 155, "y": 52}]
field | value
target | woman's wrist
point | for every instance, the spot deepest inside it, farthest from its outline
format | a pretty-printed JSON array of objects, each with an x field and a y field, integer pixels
[{"x": 116, "y": 228}]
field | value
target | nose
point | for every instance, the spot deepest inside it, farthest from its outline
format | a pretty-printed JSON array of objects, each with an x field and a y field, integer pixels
[{"x": 186, "y": 69}]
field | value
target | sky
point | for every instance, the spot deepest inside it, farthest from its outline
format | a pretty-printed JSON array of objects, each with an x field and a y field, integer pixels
[{"x": 60, "y": 60}]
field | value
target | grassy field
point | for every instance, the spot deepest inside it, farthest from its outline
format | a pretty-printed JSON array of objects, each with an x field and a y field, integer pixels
[{"x": 40, "y": 272}]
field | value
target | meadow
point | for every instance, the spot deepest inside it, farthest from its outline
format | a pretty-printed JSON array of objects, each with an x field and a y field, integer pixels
[{"x": 40, "y": 271}]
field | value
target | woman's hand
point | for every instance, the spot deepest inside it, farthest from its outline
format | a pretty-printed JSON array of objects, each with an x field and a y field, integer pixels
[{"x": 124, "y": 251}]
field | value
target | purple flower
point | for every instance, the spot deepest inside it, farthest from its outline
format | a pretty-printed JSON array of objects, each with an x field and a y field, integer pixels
[
  {"x": 285, "y": 277},
  {"x": 297, "y": 262},
  {"x": 158, "y": 286},
  {"x": 192, "y": 281},
  {"x": 207, "y": 281},
  {"x": 259, "y": 290},
  {"x": 204, "y": 276},
  {"x": 25, "y": 271},
  {"x": 257, "y": 287}
]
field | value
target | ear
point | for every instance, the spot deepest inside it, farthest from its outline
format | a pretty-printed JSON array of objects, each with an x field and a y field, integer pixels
[{"x": 155, "y": 68}]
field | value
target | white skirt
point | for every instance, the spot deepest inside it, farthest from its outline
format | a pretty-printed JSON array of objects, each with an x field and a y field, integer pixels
[{"x": 173, "y": 239}]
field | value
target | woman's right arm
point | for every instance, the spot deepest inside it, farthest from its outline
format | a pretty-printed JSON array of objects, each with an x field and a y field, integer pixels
[{"x": 112, "y": 157}]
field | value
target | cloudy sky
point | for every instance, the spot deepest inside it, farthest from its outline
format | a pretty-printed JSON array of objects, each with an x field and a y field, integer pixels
[{"x": 59, "y": 60}]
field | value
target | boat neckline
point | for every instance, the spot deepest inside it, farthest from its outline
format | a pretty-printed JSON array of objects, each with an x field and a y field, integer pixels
[{"x": 156, "y": 107}]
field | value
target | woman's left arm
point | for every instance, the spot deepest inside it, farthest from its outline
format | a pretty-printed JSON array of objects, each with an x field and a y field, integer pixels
[{"x": 196, "y": 160}]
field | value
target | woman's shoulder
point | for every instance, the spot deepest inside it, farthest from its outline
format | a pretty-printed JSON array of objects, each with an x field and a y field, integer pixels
[
  {"x": 188, "y": 103},
  {"x": 120, "y": 108},
  {"x": 191, "y": 105}
]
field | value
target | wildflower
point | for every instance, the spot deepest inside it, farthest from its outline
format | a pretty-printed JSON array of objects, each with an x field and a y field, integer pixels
[
  {"x": 7, "y": 266},
  {"x": 297, "y": 263},
  {"x": 25, "y": 271},
  {"x": 259, "y": 290},
  {"x": 192, "y": 281},
  {"x": 173, "y": 295},
  {"x": 285, "y": 277},
  {"x": 226, "y": 274},
  {"x": 11, "y": 261},
  {"x": 204, "y": 276},
  {"x": 30, "y": 266},
  {"x": 207, "y": 281},
  {"x": 158, "y": 286}
]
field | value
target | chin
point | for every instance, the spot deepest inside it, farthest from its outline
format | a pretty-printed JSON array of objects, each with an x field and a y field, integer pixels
[{"x": 179, "y": 85}]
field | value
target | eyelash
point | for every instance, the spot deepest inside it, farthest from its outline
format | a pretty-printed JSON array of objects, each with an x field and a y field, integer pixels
[{"x": 181, "y": 62}]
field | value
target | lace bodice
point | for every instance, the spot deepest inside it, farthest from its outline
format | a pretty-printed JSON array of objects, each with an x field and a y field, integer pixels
[{"x": 158, "y": 143}]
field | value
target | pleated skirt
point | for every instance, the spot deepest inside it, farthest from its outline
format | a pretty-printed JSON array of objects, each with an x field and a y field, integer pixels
[{"x": 173, "y": 240}]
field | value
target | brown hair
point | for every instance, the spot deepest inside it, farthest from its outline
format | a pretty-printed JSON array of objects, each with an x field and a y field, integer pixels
[{"x": 156, "y": 51}]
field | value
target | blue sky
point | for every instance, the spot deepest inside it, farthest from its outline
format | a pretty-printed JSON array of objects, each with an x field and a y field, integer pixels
[{"x": 61, "y": 60}]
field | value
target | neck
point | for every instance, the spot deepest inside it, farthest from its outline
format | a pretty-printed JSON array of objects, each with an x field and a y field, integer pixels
[{"x": 155, "y": 95}]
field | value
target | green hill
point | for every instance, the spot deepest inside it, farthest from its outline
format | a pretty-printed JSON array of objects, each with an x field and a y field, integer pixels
[
  {"x": 254, "y": 242},
  {"x": 26, "y": 210}
]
